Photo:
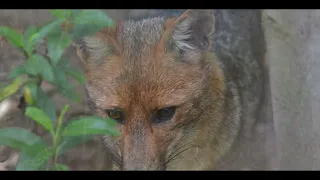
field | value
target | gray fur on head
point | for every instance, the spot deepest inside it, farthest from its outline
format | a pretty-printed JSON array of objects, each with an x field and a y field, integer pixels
[{"x": 191, "y": 35}]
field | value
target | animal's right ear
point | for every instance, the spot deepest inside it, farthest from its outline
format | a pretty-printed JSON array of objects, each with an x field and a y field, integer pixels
[
  {"x": 97, "y": 47},
  {"x": 189, "y": 35}
]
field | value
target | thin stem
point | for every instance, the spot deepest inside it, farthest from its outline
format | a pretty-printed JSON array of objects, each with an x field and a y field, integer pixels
[{"x": 57, "y": 134}]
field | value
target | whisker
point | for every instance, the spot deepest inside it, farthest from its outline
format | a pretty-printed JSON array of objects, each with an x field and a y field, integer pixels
[
  {"x": 174, "y": 148},
  {"x": 176, "y": 157},
  {"x": 114, "y": 155},
  {"x": 177, "y": 149}
]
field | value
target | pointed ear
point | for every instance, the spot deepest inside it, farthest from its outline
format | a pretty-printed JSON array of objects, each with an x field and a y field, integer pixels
[
  {"x": 191, "y": 34},
  {"x": 97, "y": 47}
]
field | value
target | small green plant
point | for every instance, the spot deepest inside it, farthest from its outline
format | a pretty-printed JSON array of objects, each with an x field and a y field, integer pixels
[{"x": 52, "y": 67}]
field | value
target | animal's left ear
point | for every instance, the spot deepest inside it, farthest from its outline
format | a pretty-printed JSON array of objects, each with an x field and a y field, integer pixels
[
  {"x": 191, "y": 33},
  {"x": 95, "y": 48}
]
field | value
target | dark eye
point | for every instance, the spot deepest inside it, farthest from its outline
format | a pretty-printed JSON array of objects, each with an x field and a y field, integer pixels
[
  {"x": 116, "y": 114},
  {"x": 164, "y": 114}
]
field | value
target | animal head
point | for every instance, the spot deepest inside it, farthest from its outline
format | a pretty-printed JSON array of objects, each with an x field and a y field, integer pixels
[{"x": 149, "y": 75}]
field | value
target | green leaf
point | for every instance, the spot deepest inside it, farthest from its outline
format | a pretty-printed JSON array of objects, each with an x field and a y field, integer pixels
[
  {"x": 18, "y": 138},
  {"x": 57, "y": 46},
  {"x": 12, "y": 88},
  {"x": 27, "y": 142},
  {"x": 41, "y": 100},
  {"x": 46, "y": 104},
  {"x": 14, "y": 37},
  {"x": 93, "y": 125},
  {"x": 63, "y": 85},
  {"x": 17, "y": 71},
  {"x": 28, "y": 97},
  {"x": 28, "y": 154},
  {"x": 88, "y": 22},
  {"x": 40, "y": 117},
  {"x": 33, "y": 88},
  {"x": 35, "y": 162},
  {"x": 44, "y": 31},
  {"x": 39, "y": 65},
  {"x": 31, "y": 30},
  {"x": 61, "y": 167},
  {"x": 35, "y": 65},
  {"x": 60, "y": 13},
  {"x": 94, "y": 17},
  {"x": 78, "y": 75},
  {"x": 69, "y": 142}
]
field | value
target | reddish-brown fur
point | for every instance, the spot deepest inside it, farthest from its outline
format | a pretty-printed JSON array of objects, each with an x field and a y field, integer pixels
[{"x": 142, "y": 74}]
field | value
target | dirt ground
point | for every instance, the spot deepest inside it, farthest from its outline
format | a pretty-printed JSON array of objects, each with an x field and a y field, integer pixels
[{"x": 88, "y": 156}]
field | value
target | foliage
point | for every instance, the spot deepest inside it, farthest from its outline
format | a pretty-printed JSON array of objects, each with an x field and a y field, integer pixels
[{"x": 35, "y": 153}]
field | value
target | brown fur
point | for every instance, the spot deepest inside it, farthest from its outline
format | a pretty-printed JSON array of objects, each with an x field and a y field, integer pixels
[{"x": 155, "y": 63}]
